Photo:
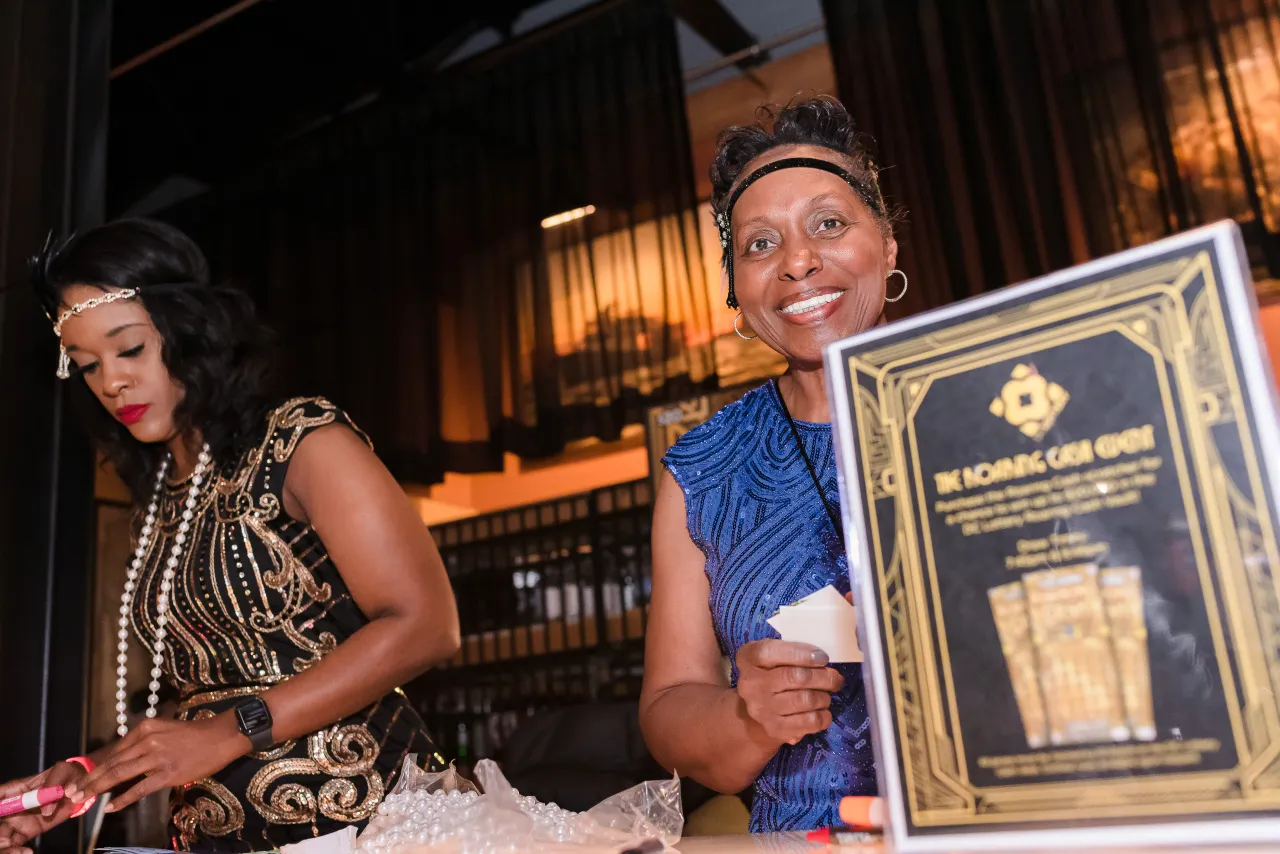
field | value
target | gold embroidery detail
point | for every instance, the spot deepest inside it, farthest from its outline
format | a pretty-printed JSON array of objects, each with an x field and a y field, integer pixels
[
  {"x": 287, "y": 567},
  {"x": 253, "y": 572},
  {"x": 278, "y": 752},
  {"x": 290, "y": 803},
  {"x": 206, "y": 698},
  {"x": 341, "y": 753},
  {"x": 294, "y": 418},
  {"x": 216, "y": 813}
]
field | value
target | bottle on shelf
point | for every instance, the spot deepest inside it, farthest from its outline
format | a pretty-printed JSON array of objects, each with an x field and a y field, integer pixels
[
  {"x": 610, "y": 583},
  {"x": 503, "y": 591},
  {"x": 479, "y": 739},
  {"x": 468, "y": 605},
  {"x": 559, "y": 686},
  {"x": 533, "y": 578},
  {"x": 462, "y": 743},
  {"x": 572, "y": 595},
  {"x": 488, "y": 629},
  {"x": 520, "y": 628},
  {"x": 570, "y": 577},
  {"x": 632, "y": 603},
  {"x": 553, "y": 595},
  {"x": 451, "y": 568},
  {"x": 588, "y": 592},
  {"x": 643, "y": 495}
]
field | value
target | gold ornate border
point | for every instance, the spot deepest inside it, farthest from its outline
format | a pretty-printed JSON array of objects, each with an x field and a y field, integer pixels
[{"x": 1191, "y": 351}]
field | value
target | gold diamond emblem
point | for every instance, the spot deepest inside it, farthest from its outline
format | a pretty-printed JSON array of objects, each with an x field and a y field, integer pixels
[{"x": 1030, "y": 402}]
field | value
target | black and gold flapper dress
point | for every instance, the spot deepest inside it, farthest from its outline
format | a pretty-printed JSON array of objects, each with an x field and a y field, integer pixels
[{"x": 255, "y": 601}]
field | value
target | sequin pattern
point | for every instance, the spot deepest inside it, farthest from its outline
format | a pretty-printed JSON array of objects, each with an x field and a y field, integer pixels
[
  {"x": 255, "y": 601},
  {"x": 754, "y": 512}
]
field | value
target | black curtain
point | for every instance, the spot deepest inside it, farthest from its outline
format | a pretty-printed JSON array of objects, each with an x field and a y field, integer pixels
[
  {"x": 53, "y": 100},
  {"x": 1173, "y": 114},
  {"x": 1023, "y": 137},
  {"x": 401, "y": 251}
]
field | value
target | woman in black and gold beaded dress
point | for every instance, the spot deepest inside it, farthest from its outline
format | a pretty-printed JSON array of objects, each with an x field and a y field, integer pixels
[{"x": 281, "y": 580}]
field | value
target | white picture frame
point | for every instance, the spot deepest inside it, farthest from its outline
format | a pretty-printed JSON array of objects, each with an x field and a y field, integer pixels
[{"x": 1224, "y": 242}]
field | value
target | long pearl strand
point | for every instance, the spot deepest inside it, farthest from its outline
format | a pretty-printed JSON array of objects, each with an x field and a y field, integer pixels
[{"x": 166, "y": 584}]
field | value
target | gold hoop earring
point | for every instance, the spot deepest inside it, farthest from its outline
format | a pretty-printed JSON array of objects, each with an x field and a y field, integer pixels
[
  {"x": 901, "y": 293},
  {"x": 736, "y": 318}
]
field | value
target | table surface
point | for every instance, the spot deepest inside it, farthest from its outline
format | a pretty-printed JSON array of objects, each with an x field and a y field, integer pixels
[
  {"x": 775, "y": 843},
  {"x": 787, "y": 843}
]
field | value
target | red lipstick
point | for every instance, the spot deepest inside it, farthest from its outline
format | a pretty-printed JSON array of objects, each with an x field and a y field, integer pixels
[{"x": 132, "y": 414}]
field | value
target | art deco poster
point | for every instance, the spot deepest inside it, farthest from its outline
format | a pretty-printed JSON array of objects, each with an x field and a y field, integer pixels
[{"x": 1060, "y": 502}]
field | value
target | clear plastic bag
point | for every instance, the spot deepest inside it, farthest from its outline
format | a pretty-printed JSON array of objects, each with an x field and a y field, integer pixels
[{"x": 444, "y": 812}]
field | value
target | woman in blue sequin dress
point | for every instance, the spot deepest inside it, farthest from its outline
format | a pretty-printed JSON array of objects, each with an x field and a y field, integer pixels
[{"x": 745, "y": 519}]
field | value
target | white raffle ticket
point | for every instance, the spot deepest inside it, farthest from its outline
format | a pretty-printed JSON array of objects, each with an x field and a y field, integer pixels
[{"x": 824, "y": 619}]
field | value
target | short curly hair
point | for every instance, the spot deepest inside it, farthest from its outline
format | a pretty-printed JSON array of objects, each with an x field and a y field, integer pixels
[
  {"x": 215, "y": 346},
  {"x": 822, "y": 121}
]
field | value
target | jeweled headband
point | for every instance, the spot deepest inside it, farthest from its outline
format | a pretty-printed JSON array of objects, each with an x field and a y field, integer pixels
[
  {"x": 40, "y": 279},
  {"x": 868, "y": 191},
  {"x": 39, "y": 274},
  {"x": 64, "y": 361}
]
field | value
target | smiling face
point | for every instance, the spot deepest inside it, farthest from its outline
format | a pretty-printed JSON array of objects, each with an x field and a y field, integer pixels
[
  {"x": 810, "y": 259},
  {"x": 117, "y": 349}
]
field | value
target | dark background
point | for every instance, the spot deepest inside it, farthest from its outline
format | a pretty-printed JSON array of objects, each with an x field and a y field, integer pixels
[{"x": 53, "y": 84}]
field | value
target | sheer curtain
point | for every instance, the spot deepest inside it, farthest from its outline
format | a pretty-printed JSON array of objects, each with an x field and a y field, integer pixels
[
  {"x": 963, "y": 136},
  {"x": 1174, "y": 109},
  {"x": 1023, "y": 137},
  {"x": 506, "y": 261}
]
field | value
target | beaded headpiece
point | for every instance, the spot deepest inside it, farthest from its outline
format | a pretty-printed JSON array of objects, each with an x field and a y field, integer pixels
[
  {"x": 40, "y": 278},
  {"x": 64, "y": 361},
  {"x": 868, "y": 191}
]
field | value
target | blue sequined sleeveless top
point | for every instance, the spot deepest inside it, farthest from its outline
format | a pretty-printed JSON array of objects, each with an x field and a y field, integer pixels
[{"x": 754, "y": 512}]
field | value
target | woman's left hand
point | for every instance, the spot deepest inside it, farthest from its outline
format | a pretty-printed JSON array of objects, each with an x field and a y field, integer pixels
[{"x": 165, "y": 753}]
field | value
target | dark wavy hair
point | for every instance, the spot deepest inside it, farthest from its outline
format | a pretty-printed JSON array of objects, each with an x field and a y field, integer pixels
[
  {"x": 822, "y": 121},
  {"x": 214, "y": 345}
]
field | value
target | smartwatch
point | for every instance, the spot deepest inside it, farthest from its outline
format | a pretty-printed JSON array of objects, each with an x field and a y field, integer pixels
[{"x": 254, "y": 720}]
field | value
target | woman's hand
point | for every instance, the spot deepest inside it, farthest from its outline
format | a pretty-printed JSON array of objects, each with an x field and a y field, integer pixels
[
  {"x": 787, "y": 688},
  {"x": 165, "y": 753},
  {"x": 17, "y": 830}
]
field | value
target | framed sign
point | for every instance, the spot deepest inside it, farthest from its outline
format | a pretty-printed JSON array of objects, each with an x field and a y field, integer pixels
[{"x": 1060, "y": 507}]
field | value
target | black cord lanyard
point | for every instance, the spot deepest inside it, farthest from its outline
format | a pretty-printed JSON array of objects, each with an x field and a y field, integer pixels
[{"x": 808, "y": 463}]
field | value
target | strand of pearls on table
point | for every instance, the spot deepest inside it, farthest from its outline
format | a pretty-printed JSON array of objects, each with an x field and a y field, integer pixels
[{"x": 166, "y": 584}]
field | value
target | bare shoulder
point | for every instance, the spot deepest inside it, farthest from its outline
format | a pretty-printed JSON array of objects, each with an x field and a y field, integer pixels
[
  {"x": 327, "y": 457},
  {"x": 672, "y": 543}
]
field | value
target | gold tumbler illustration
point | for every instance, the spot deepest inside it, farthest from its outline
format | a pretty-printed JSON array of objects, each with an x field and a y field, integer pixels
[
  {"x": 1078, "y": 674},
  {"x": 1009, "y": 605},
  {"x": 1122, "y": 598}
]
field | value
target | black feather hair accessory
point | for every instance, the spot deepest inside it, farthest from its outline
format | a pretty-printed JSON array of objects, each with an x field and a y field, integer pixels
[{"x": 38, "y": 274}]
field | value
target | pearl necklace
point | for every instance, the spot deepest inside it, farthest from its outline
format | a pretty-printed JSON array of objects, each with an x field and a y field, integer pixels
[{"x": 166, "y": 584}]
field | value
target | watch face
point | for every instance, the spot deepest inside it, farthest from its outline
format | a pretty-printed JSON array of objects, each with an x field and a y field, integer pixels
[{"x": 254, "y": 716}]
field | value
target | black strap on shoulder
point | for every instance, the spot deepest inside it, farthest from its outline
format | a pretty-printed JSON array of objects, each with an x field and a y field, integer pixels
[{"x": 808, "y": 463}]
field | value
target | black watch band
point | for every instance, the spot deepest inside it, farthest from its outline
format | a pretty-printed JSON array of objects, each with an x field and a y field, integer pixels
[{"x": 254, "y": 721}]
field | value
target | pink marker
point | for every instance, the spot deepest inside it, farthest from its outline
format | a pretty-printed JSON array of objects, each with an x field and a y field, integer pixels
[{"x": 31, "y": 800}]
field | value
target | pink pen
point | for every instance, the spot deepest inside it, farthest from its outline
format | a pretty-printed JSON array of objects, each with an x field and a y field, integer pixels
[{"x": 31, "y": 800}]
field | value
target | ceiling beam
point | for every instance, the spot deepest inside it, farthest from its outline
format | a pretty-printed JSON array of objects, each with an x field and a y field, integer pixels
[
  {"x": 722, "y": 30},
  {"x": 182, "y": 37}
]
